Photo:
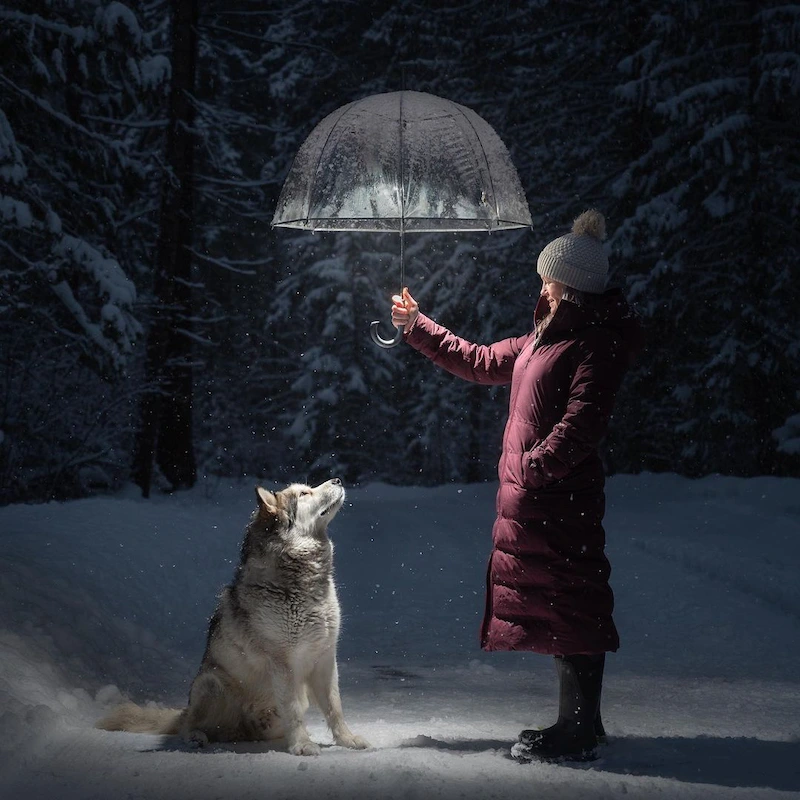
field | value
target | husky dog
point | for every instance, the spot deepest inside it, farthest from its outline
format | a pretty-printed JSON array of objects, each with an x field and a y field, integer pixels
[{"x": 272, "y": 637}]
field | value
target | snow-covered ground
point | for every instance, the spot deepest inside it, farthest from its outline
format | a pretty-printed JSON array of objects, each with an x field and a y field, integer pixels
[{"x": 107, "y": 597}]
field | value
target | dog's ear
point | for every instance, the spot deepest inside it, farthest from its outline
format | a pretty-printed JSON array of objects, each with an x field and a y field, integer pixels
[{"x": 267, "y": 502}]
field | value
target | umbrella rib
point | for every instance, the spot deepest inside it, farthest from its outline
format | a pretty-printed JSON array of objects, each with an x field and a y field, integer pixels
[
  {"x": 313, "y": 176},
  {"x": 485, "y": 159}
]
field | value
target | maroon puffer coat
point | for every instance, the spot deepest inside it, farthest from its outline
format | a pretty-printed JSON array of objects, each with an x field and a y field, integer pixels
[{"x": 547, "y": 582}]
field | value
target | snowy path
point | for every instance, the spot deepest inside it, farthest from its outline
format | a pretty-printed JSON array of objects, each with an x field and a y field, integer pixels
[
  {"x": 702, "y": 701},
  {"x": 460, "y": 751}
]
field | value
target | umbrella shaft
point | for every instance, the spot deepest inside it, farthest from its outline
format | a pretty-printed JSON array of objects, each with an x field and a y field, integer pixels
[
  {"x": 402, "y": 197},
  {"x": 402, "y": 262}
]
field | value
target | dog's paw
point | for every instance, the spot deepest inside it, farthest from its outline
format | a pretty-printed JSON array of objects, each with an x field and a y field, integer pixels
[
  {"x": 196, "y": 739},
  {"x": 360, "y": 743},
  {"x": 306, "y": 748},
  {"x": 353, "y": 742}
]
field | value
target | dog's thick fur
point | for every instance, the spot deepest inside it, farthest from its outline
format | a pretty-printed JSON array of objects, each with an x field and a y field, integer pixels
[{"x": 272, "y": 638}]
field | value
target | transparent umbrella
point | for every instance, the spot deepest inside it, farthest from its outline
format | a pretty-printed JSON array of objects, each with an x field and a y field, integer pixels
[{"x": 402, "y": 162}]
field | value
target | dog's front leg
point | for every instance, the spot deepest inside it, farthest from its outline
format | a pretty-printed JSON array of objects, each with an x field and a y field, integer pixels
[
  {"x": 289, "y": 696},
  {"x": 325, "y": 686}
]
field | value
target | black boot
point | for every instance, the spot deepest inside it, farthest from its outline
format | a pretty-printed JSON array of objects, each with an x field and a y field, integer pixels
[{"x": 574, "y": 737}]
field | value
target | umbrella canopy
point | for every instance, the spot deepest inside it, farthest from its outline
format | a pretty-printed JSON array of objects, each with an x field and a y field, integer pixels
[{"x": 403, "y": 161}]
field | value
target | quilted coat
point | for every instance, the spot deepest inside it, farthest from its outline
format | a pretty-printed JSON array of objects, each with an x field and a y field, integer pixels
[{"x": 548, "y": 576}]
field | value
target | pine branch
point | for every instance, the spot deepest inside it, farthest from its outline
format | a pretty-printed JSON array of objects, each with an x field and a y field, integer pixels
[
  {"x": 113, "y": 145},
  {"x": 228, "y": 265}
]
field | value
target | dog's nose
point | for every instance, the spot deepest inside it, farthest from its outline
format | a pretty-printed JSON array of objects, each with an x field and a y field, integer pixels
[{"x": 337, "y": 481}]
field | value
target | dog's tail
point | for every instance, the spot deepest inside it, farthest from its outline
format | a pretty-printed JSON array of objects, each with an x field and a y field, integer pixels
[{"x": 138, "y": 719}]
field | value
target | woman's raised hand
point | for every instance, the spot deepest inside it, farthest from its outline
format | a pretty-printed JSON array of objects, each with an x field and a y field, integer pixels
[{"x": 404, "y": 310}]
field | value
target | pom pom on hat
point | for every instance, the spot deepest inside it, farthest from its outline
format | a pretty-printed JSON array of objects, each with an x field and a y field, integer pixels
[
  {"x": 590, "y": 223},
  {"x": 578, "y": 259}
]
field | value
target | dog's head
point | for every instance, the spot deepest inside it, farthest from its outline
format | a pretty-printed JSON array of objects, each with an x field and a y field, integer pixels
[
  {"x": 286, "y": 542},
  {"x": 305, "y": 510}
]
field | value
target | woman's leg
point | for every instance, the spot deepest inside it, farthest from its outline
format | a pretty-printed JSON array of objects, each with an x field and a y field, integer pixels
[{"x": 575, "y": 734}]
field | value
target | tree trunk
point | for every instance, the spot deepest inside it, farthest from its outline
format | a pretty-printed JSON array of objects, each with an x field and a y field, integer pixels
[{"x": 165, "y": 432}]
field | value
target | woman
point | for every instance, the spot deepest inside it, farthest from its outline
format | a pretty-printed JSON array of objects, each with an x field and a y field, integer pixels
[{"x": 547, "y": 582}]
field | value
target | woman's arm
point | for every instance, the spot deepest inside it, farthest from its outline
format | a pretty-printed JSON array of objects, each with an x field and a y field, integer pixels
[{"x": 487, "y": 364}]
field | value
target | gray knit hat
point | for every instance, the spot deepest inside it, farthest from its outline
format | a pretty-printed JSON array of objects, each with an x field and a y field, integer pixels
[{"x": 578, "y": 259}]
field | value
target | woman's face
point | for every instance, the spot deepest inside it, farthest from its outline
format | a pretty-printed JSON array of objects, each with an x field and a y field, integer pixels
[{"x": 553, "y": 291}]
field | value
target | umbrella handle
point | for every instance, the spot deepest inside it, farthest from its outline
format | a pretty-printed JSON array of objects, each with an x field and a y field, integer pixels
[{"x": 380, "y": 341}]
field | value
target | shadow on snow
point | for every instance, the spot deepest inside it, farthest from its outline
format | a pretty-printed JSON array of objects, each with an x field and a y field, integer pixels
[{"x": 721, "y": 761}]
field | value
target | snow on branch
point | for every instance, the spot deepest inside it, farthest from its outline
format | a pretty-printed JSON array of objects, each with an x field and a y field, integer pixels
[
  {"x": 771, "y": 14},
  {"x": 123, "y": 123},
  {"x": 78, "y": 34},
  {"x": 788, "y": 436},
  {"x": 231, "y": 266},
  {"x": 708, "y": 90},
  {"x": 115, "y": 14},
  {"x": 659, "y": 215},
  {"x": 114, "y": 146},
  {"x": 12, "y": 166},
  {"x": 116, "y": 329},
  {"x": 15, "y": 211},
  {"x": 111, "y": 281},
  {"x": 733, "y": 124},
  {"x": 155, "y": 71},
  {"x": 196, "y": 338},
  {"x": 257, "y": 184}
]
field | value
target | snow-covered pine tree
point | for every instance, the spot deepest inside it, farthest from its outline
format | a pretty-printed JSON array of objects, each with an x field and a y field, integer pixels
[
  {"x": 75, "y": 83},
  {"x": 710, "y": 233},
  {"x": 339, "y": 417},
  {"x": 268, "y": 72}
]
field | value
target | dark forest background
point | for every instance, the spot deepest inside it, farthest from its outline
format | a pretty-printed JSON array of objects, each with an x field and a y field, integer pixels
[{"x": 154, "y": 327}]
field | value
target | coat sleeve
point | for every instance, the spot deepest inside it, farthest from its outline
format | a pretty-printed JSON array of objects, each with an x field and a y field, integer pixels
[
  {"x": 490, "y": 364},
  {"x": 593, "y": 390}
]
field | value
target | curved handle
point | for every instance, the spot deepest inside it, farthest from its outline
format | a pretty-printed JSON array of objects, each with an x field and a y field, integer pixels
[{"x": 380, "y": 341}]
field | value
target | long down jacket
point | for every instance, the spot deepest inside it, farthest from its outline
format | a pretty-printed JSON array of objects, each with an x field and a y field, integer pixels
[{"x": 547, "y": 579}]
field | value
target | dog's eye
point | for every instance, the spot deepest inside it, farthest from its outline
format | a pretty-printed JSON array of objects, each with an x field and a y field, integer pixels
[{"x": 305, "y": 492}]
